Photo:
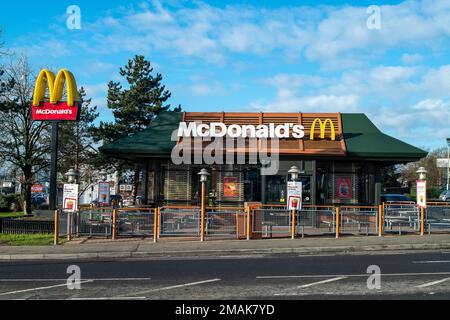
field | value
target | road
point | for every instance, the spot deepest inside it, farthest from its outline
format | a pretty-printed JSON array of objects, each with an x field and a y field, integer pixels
[{"x": 419, "y": 275}]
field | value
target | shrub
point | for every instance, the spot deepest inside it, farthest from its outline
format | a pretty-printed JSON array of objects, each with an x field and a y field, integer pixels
[{"x": 10, "y": 202}]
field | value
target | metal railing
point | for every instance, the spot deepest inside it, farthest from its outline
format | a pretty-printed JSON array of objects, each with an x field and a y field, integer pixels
[
  {"x": 94, "y": 222},
  {"x": 317, "y": 220},
  {"x": 254, "y": 221},
  {"x": 437, "y": 217},
  {"x": 134, "y": 222},
  {"x": 224, "y": 221},
  {"x": 401, "y": 217},
  {"x": 17, "y": 226},
  {"x": 179, "y": 221},
  {"x": 359, "y": 220},
  {"x": 269, "y": 221}
]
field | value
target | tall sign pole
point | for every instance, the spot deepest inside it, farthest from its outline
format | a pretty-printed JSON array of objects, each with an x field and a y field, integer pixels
[
  {"x": 53, "y": 197},
  {"x": 53, "y": 109}
]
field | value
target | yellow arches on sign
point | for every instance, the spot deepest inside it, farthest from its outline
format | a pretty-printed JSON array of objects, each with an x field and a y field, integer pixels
[
  {"x": 323, "y": 125},
  {"x": 55, "y": 87}
]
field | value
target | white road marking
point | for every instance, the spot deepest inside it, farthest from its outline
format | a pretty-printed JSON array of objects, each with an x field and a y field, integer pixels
[
  {"x": 40, "y": 288},
  {"x": 308, "y": 285},
  {"x": 321, "y": 282},
  {"x": 178, "y": 286},
  {"x": 353, "y": 275},
  {"x": 110, "y": 298},
  {"x": 442, "y": 261},
  {"x": 429, "y": 284},
  {"x": 59, "y": 280}
]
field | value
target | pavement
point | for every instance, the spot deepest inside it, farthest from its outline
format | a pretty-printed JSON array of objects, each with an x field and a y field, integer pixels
[{"x": 146, "y": 249}]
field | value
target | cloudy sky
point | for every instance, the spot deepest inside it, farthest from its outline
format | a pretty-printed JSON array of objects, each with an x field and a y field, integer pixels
[{"x": 258, "y": 55}]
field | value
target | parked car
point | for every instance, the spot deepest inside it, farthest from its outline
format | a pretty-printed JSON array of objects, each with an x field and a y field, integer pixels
[
  {"x": 131, "y": 201},
  {"x": 116, "y": 199},
  {"x": 445, "y": 195},
  {"x": 128, "y": 202},
  {"x": 395, "y": 198},
  {"x": 38, "y": 199}
]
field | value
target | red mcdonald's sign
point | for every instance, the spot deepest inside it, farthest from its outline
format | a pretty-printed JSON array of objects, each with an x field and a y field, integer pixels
[{"x": 55, "y": 109}]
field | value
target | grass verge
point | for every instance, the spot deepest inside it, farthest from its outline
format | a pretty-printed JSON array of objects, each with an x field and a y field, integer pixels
[
  {"x": 11, "y": 214},
  {"x": 26, "y": 239}
]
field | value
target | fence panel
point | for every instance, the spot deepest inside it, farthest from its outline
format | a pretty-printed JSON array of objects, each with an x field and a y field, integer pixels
[
  {"x": 316, "y": 221},
  {"x": 135, "y": 222},
  {"x": 401, "y": 217},
  {"x": 271, "y": 221},
  {"x": 17, "y": 226},
  {"x": 437, "y": 218},
  {"x": 223, "y": 222},
  {"x": 93, "y": 222},
  {"x": 183, "y": 222},
  {"x": 359, "y": 220}
]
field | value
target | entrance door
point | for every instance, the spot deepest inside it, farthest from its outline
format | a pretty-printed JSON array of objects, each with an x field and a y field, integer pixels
[
  {"x": 276, "y": 188},
  {"x": 306, "y": 189}
]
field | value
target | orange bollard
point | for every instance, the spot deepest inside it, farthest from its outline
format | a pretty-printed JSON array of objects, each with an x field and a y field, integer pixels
[
  {"x": 155, "y": 224},
  {"x": 55, "y": 239},
  {"x": 337, "y": 223},
  {"x": 114, "y": 218},
  {"x": 293, "y": 225},
  {"x": 422, "y": 221}
]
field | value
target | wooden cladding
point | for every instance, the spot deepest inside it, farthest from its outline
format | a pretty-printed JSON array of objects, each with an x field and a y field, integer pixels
[{"x": 310, "y": 145}]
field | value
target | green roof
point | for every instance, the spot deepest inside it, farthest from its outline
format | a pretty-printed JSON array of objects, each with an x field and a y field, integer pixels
[
  {"x": 155, "y": 141},
  {"x": 362, "y": 138}
]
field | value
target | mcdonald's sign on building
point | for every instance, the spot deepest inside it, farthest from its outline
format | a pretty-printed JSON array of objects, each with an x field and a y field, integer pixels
[
  {"x": 53, "y": 108},
  {"x": 338, "y": 156}
]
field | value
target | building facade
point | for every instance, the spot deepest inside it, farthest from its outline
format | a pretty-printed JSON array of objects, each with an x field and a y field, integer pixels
[{"x": 339, "y": 156}]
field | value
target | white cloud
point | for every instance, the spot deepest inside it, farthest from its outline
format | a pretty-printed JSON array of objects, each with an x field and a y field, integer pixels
[
  {"x": 412, "y": 58},
  {"x": 335, "y": 36}
]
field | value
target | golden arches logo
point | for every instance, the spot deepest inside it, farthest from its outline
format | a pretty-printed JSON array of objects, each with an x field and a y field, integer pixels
[
  {"x": 323, "y": 125},
  {"x": 55, "y": 87}
]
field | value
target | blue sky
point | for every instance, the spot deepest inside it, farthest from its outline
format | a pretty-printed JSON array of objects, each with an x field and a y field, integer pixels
[{"x": 258, "y": 55}]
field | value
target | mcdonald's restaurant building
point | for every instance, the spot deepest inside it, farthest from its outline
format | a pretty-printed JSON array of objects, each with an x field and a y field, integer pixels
[{"x": 339, "y": 155}]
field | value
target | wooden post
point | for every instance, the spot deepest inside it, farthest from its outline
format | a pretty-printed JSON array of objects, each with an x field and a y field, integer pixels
[
  {"x": 422, "y": 221},
  {"x": 202, "y": 222},
  {"x": 248, "y": 224},
  {"x": 337, "y": 222},
  {"x": 55, "y": 238},
  {"x": 114, "y": 219},
  {"x": 155, "y": 225},
  {"x": 380, "y": 220},
  {"x": 293, "y": 225}
]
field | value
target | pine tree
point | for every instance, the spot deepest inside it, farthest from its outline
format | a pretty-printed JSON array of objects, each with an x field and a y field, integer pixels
[
  {"x": 76, "y": 144},
  {"x": 133, "y": 108}
]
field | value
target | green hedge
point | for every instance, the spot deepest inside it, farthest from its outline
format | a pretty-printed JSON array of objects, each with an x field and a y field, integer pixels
[{"x": 7, "y": 201}]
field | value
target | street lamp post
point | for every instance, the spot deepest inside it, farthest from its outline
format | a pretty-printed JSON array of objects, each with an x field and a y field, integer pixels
[
  {"x": 103, "y": 175},
  {"x": 421, "y": 196},
  {"x": 294, "y": 172},
  {"x": 72, "y": 175},
  {"x": 203, "y": 179}
]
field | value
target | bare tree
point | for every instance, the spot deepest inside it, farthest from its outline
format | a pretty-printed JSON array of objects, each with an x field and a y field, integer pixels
[
  {"x": 408, "y": 172},
  {"x": 24, "y": 143}
]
